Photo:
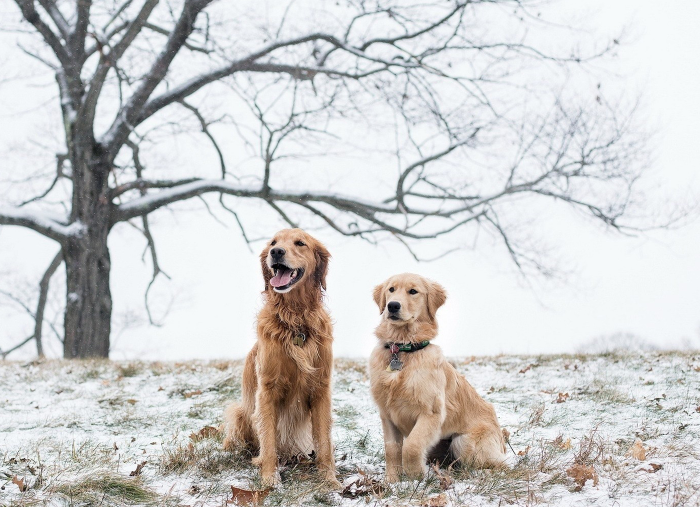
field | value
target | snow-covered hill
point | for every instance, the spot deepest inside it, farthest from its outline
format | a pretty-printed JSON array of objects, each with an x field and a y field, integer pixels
[{"x": 116, "y": 433}]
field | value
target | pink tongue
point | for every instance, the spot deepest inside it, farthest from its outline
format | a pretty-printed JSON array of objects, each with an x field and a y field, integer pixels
[{"x": 282, "y": 278}]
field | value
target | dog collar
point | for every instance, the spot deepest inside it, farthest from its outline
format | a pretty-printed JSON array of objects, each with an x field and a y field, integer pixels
[
  {"x": 406, "y": 347},
  {"x": 396, "y": 364}
]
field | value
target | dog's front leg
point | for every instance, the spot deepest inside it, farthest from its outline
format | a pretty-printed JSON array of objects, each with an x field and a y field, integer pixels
[
  {"x": 424, "y": 435},
  {"x": 393, "y": 442},
  {"x": 266, "y": 427},
  {"x": 321, "y": 424}
]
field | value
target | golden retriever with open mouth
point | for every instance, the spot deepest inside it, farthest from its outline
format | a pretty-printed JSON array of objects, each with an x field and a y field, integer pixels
[
  {"x": 285, "y": 409},
  {"x": 422, "y": 399}
]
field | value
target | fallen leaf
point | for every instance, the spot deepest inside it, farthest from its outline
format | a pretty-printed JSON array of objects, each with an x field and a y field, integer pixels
[
  {"x": 139, "y": 467},
  {"x": 248, "y": 497},
  {"x": 562, "y": 397},
  {"x": 20, "y": 483},
  {"x": 697, "y": 409},
  {"x": 206, "y": 432},
  {"x": 582, "y": 473},
  {"x": 193, "y": 393},
  {"x": 131, "y": 401},
  {"x": 655, "y": 467},
  {"x": 562, "y": 444},
  {"x": 436, "y": 501},
  {"x": 524, "y": 451},
  {"x": 527, "y": 368},
  {"x": 160, "y": 388},
  {"x": 637, "y": 451},
  {"x": 361, "y": 484},
  {"x": 445, "y": 480}
]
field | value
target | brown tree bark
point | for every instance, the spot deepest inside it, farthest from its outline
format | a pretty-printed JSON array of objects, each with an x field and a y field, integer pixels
[{"x": 88, "y": 264}]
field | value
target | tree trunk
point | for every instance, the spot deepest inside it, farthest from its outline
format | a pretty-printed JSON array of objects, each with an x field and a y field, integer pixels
[{"x": 88, "y": 300}]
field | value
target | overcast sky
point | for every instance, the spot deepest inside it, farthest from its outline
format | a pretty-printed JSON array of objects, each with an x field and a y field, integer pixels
[{"x": 648, "y": 285}]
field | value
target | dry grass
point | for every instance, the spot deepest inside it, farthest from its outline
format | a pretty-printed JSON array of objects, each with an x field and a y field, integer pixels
[{"x": 95, "y": 421}]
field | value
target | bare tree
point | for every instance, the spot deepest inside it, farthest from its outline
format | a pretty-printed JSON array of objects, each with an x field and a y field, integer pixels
[{"x": 480, "y": 108}]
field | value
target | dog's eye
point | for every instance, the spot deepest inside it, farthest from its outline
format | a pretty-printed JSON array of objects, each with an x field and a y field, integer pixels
[
  {"x": 299, "y": 243},
  {"x": 413, "y": 291},
  {"x": 274, "y": 242},
  {"x": 391, "y": 289}
]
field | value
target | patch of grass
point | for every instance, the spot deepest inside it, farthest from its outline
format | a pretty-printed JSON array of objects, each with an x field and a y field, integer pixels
[
  {"x": 603, "y": 391},
  {"x": 107, "y": 488},
  {"x": 129, "y": 370},
  {"x": 207, "y": 458},
  {"x": 345, "y": 416}
]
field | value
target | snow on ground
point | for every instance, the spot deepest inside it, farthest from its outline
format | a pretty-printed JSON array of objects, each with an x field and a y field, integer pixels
[{"x": 74, "y": 433}]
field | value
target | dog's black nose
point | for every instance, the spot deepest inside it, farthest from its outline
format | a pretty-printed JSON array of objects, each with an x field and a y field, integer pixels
[
  {"x": 394, "y": 306},
  {"x": 277, "y": 253}
]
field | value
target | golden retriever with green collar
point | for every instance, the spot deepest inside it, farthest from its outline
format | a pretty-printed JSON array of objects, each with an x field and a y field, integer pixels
[{"x": 422, "y": 399}]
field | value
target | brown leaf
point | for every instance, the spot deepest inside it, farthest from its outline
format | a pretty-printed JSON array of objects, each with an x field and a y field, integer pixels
[
  {"x": 131, "y": 401},
  {"x": 206, "y": 432},
  {"x": 436, "y": 501},
  {"x": 362, "y": 484},
  {"x": 655, "y": 467},
  {"x": 139, "y": 467},
  {"x": 637, "y": 451},
  {"x": 192, "y": 393},
  {"x": 524, "y": 451},
  {"x": 562, "y": 397},
  {"x": 582, "y": 473},
  {"x": 527, "y": 368},
  {"x": 445, "y": 480},
  {"x": 20, "y": 483},
  {"x": 562, "y": 444},
  {"x": 248, "y": 497}
]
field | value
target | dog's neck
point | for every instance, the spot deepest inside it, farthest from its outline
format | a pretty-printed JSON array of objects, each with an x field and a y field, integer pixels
[
  {"x": 413, "y": 332},
  {"x": 296, "y": 309}
]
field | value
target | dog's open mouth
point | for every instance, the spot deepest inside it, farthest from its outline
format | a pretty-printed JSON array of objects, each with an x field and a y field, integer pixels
[
  {"x": 394, "y": 317},
  {"x": 285, "y": 276}
]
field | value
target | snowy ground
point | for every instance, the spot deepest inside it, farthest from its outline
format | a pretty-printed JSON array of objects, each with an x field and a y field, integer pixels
[{"x": 74, "y": 433}]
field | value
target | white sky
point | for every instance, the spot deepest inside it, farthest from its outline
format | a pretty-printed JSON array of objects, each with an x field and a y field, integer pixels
[{"x": 649, "y": 286}]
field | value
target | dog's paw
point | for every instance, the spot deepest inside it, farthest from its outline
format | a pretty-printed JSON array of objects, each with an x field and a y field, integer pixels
[
  {"x": 415, "y": 470},
  {"x": 271, "y": 480},
  {"x": 332, "y": 483},
  {"x": 392, "y": 477}
]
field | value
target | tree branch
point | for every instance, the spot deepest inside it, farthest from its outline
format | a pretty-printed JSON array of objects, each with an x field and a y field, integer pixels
[
  {"x": 41, "y": 305},
  {"x": 43, "y": 224},
  {"x": 128, "y": 116},
  {"x": 32, "y": 16}
]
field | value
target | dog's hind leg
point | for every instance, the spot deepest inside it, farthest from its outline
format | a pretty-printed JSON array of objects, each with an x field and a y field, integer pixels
[
  {"x": 481, "y": 447},
  {"x": 238, "y": 417},
  {"x": 238, "y": 428}
]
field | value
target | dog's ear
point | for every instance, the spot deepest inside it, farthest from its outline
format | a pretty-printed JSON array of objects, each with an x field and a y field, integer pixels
[
  {"x": 265, "y": 270},
  {"x": 379, "y": 297},
  {"x": 322, "y": 257},
  {"x": 436, "y": 298}
]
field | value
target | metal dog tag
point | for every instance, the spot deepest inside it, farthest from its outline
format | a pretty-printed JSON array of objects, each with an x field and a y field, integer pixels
[
  {"x": 395, "y": 364},
  {"x": 299, "y": 339}
]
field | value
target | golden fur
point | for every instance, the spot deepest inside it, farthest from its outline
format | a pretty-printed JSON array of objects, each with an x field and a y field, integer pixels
[
  {"x": 286, "y": 389},
  {"x": 427, "y": 401}
]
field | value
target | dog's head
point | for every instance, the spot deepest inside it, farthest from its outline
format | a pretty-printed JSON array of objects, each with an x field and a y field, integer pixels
[
  {"x": 407, "y": 298},
  {"x": 294, "y": 259}
]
